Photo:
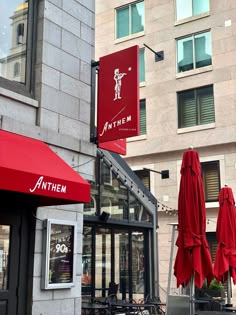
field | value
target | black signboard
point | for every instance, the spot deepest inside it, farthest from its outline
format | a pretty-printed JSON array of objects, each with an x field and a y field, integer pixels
[{"x": 60, "y": 254}]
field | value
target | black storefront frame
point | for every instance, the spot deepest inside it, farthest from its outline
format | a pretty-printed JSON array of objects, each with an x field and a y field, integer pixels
[
  {"x": 23, "y": 209},
  {"x": 113, "y": 228},
  {"x": 130, "y": 180}
]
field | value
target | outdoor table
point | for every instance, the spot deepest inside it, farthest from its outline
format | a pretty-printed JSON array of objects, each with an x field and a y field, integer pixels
[{"x": 94, "y": 309}]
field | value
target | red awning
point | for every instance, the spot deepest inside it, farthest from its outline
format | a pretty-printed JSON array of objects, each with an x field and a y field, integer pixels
[{"x": 29, "y": 166}]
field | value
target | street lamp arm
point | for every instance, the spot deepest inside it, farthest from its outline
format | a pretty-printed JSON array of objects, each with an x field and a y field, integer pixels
[{"x": 149, "y": 169}]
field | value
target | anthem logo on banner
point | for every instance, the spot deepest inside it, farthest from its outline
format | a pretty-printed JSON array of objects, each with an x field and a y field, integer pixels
[{"x": 118, "y": 95}]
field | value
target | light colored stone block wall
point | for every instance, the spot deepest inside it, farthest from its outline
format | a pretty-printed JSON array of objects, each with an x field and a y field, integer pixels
[
  {"x": 163, "y": 145},
  {"x": 60, "y": 116}
]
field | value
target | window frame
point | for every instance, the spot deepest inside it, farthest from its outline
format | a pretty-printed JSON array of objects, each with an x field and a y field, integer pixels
[
  {"x": 192, "y": 37},
  {"x": 197, "y": 105},
  {"x": 130, "y": 34},
  {"x": 206, "y": 166},
  {"x": 26, "y": 89}
]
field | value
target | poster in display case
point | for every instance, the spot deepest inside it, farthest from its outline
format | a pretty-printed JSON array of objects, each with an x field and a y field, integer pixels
[{"x": 59, "y": 241}]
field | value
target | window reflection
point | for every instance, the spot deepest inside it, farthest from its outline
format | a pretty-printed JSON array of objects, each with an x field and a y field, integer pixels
[
  {"x": 4, "y": 252},
  {"x": 13, "y": 38},
  {"x": 187, "y": 8},
  {"x": 194, "y": 52},
  {"x": 137, "y": 264},
  {"x": 102, "y": 261},
  {"x": 87, "y": 261},
  {"x": 130, "y": 19}
]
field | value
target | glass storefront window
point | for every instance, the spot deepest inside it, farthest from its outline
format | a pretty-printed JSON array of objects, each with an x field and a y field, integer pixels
[
  {"x": 137, "y": 212},
  {"x": 122, "y": 263},
  {"x": 137, "y": 265},
  {"x": 102, "y": 261},
  {"x": 87, "y": 261},
  {"x": 114, "y": 195},
  {"x": 90, "y": 208},
  {"x": 13, "y": 39},
  {"x": 4, "y": 254}
]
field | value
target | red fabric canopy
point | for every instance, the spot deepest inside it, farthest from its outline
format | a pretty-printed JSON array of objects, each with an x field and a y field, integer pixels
[
  {"x": 29, "y": 166},
  {"x": 226, "y": 235},
  {"x": 193, "y": 255}
]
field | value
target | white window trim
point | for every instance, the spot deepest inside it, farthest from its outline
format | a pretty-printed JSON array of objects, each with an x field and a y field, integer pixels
[
  {"x": 129, "y": 37},
  {"x": 18, "y": 97},
  {"x": 180, "y": 75},
  {"x": 196, "y": 128},
  {"x": 137, "y": 138},
  {"x": 191, "y": 18}
]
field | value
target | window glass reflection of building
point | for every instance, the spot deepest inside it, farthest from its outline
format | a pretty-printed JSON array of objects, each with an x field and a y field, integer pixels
[
  {"x": 13, "y": 39},
  {"x": 188, "y": 8},
  {"x": 194, "y": 52},
  {"x": 4, "y": 253},
  {"x": 130, "y": 19}
]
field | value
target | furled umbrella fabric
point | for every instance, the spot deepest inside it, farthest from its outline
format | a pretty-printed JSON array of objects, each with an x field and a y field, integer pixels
[
  {"x": 225, "y": 260},
  {"x": 193, "y": 254}
]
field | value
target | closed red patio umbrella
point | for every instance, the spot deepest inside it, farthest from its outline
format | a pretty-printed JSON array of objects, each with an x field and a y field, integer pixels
[
  {"x": 193, "y": 259},
  {"x": 225, "y": 261}
]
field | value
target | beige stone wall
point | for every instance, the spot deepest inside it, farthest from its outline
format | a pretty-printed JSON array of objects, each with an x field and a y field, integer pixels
[{"x": 163, "y": 145}]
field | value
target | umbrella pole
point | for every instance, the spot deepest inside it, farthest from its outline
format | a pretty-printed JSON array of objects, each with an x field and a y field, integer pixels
[
  {"x": 192, "y": 295},
  {"x": 229, "y": 289}
]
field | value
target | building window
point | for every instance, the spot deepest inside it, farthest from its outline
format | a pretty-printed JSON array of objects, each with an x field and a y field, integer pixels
[
  {"x": 194, "y": 52},
  {"x": 106, "y": 175},
  {"x": 143, "y": 126},
  {"x": 16, "y": 69},
  {"x": 144, "y": 176},
  {"x": 17, "y": 20},
  {"x": 211, "y": 180},
  {"x": 20, "y": 33},
  {"x": 196, "y": 107},
  {"x": 130, "y": 19},
  {"x": 141, "y": 66},
  {"x": 188, "y": 8}
]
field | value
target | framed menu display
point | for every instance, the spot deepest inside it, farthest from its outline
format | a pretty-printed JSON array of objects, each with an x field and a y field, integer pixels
[{"x": 59, "y": 242}]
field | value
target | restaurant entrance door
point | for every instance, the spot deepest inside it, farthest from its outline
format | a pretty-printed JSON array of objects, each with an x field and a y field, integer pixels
[{"x": 13, "y": 263}]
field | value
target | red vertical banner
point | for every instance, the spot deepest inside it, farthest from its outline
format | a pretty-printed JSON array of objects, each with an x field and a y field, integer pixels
[{"x": 118, "y": 95}]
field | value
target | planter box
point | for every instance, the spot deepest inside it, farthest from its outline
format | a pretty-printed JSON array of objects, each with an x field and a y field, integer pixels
[{"x": 210, "y": 292}]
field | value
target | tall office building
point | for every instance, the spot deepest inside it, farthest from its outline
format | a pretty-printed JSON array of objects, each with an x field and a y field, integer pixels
[{"x": 187, "y": 98}]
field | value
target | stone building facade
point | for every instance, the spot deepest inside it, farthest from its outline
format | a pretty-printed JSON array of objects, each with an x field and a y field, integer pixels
[
  {"x": 189, "y": 98},
  {"x": 50, "y": 102}
]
